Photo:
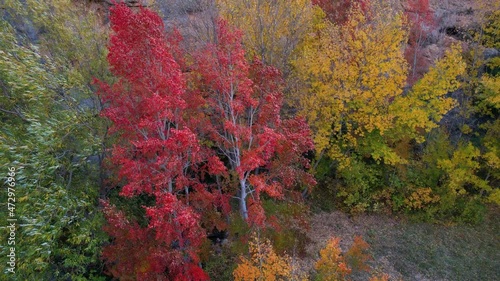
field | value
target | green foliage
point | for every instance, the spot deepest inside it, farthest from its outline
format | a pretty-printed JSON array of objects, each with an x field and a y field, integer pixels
[
  {"x": 287, "y": 226},
  {"x": 446, "y": 183},
  {"x": 220, "y": 264},
  {"x": 49, "y": 134},
  {"x": 239, "y": 232},
  {"x": 491, "y": 36},
  {"x": 360, "y": 182}
]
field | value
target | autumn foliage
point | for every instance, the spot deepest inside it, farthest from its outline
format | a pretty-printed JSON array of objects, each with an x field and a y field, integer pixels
[
  {"x": 156, "y": 155},
  {"x": 332, "y": 265},
  {"x": 218, "y": 117},
  {"x": 191, "y": 142},
  {"x": 335, "y": 265},
  {"x": 264, "y": 264},
  {"x": 421, "y": 22},
  {"x": 364, "y": 118},
  {"x": 262, "y": 153}
]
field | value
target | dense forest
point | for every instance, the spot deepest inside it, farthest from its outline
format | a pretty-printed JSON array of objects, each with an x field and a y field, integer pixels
[{"x": 250, "y": 140}]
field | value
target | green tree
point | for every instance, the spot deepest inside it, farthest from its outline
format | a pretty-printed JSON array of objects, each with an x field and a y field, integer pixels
[{"x": 51, "y": 135}]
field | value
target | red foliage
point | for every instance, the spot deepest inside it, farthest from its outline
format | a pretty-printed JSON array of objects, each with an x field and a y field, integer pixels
[
  {"x": 149, "y": 253},
  {"x": 158, "y": 154},
  {"x": 421, "y": 22},
  {"x": 337, "y": 11},
  {"x": 128, "y": 256},
  {"x": 244, "y": 102},
  {"x": 231, "y": 105}
]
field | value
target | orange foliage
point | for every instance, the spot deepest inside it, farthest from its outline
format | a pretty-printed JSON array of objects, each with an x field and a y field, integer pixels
[
  {"x": 380, "y": 277},
  {"x": 264, "y": 264},
  {"x": 357, "y": 255},
  {"x": 331, "y": 265}
]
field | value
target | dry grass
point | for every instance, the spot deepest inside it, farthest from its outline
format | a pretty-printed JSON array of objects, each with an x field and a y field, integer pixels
[{"x": 415, "y": 251}]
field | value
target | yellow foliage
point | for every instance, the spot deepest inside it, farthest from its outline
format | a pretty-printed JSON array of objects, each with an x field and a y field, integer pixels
[
  {"x": 462, "y": 168},
  {"x": 331, "y": 265},
  {"x": 272, "y": 29},
  {"x": 263, "y": 264},
  {"x": 491, "y": 92},
  {"x": 355, "y": 76},
  {"x": 353, "y": 72},
  {"x": 491, "y": 31},
  {"x": 426, "y": 103},
  {"x": 420, "y": 198},
  {"x": 495, "y": 196}
]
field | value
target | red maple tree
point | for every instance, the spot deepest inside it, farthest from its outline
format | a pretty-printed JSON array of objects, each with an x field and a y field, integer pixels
[
  {"x": 263, "y": 153},
  {"x": 157, "y": 153},
  {"x": 185, "y": 146}
]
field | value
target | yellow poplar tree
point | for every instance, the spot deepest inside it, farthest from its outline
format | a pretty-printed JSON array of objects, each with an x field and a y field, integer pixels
[
  {"x": 426, "y": 103},
  {"x": 356, "y": 74},
  {"x": 353, "y": 71},
  {"x": 272, "y": 29}
]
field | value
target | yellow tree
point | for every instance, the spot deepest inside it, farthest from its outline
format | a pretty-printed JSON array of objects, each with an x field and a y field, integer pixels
[
  {"x": 472, "y": 170},
  {"x": 488, "y": 105},
  {"x": 264, "y": 263},
  {"x": 356, "y": 76},
  {"x": 272, "y": 28},
  {"x": 356, "y": 101},
  {"x": 353, "y": 72},
  {"x": 426, "y": 103}
]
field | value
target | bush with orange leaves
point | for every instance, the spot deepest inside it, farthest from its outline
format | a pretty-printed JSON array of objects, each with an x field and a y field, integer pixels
[
  {"x": 333, "y": 265},
  {"x": 264, "y": 264}
]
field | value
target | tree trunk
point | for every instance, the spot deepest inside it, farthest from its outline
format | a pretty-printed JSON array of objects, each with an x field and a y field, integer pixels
[{"x": 243, "y": 201}]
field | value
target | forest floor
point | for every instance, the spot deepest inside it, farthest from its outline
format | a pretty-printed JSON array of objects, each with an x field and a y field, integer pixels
[{"x": 414, "y": 251}]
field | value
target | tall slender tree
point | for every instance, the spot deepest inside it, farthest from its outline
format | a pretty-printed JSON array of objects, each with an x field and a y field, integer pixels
[
  {"x": 157, "y": 154},
  {"x": 262, "y": 152}
]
